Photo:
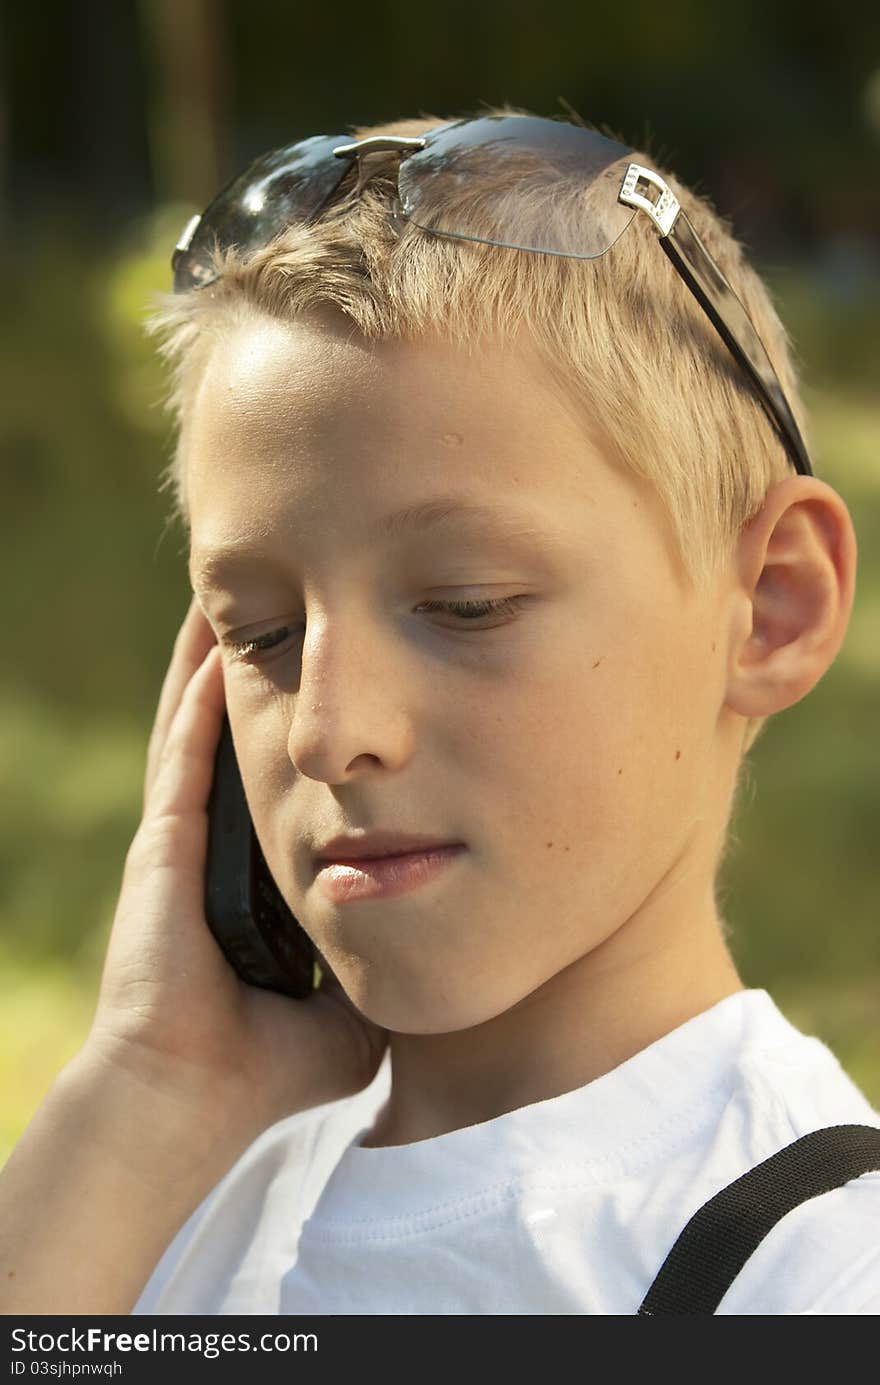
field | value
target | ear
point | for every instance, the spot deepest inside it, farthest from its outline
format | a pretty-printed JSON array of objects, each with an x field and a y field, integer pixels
[{"x": 794, "y": 583}]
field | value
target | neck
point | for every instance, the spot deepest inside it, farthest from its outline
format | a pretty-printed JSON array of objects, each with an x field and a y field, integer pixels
[{"x": 663, "y": 966}]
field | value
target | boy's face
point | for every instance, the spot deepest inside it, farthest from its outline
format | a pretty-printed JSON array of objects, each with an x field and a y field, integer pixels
[{"x": 572, "y": 747}]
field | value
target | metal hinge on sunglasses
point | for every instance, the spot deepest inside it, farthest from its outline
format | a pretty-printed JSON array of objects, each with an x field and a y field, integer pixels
[{"x": 662, "y": 212}]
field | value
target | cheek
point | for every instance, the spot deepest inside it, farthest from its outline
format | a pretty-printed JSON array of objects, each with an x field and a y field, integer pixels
[
  {"x": 598, "y": 749},
  {"x": 260, "y": 730}
]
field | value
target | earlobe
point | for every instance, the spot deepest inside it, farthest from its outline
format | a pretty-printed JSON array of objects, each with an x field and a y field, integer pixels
[{"x": 794, "y": 586}]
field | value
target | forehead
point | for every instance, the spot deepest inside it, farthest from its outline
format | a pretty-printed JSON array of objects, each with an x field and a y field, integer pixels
[
  {"x": 313, "y": 378},
  {"x": 306, "y": 425}
]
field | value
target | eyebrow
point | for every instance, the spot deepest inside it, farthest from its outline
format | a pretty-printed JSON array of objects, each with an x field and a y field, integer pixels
[{"x": 209, "y": 565}]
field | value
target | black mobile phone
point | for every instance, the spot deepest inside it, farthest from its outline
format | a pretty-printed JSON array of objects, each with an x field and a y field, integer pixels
[{"x": 244, "y": 908}]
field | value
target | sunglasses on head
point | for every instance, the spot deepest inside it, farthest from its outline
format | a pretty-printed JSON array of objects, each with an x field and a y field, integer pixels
[{"x": 438, "y": 190}]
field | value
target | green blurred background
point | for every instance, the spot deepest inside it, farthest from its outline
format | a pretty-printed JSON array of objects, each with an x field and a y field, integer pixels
[{"x": 117, "y": 121}]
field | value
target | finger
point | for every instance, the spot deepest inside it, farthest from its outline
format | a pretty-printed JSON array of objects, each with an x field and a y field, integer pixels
[
  {"x": 184, "y": 770},
  {"x": 191, "y": 644},
  {"x": 194, "y": 638}
]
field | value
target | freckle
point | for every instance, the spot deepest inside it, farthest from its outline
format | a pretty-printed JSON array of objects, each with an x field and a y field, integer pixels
[
  {"x": 620, "y": 771},
  {"x": 598, "y": 661},
  {"x": 549, "y": 844},
  {"x": 452, "y": 439},
  {"x": 713, "y": 646},
  {"x": 678, "y": 754}
]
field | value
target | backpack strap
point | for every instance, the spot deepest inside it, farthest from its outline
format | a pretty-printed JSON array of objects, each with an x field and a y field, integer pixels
[{"x": 723, "y": 1233}]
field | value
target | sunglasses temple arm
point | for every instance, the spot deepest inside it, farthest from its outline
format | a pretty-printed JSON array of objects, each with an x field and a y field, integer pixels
[{"x": 718, "y": 300}]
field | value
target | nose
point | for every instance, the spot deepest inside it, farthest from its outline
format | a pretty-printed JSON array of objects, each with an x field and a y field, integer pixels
[{"x": 350, "y": 711}]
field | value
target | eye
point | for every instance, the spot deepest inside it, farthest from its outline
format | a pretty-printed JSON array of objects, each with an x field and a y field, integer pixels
[
  {"x": 465, "y": 611},
  {"x": 243, "y": 649},
  {"x": 474, "y": 610}
]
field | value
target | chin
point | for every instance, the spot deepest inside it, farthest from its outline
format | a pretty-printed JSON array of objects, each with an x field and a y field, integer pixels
[{"x": 422, "y": 1006}]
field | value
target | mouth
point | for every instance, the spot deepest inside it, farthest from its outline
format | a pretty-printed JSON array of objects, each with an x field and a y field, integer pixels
[
  {"x": 377, "y": 846},
  {"x": 371, "y": 877}
]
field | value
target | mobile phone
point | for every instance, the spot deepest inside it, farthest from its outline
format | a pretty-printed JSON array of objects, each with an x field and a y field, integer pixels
[{"x": 245, "y": 910}]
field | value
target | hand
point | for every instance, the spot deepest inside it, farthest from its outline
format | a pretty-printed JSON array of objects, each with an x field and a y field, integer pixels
[{"x": 171, "y": 1008}]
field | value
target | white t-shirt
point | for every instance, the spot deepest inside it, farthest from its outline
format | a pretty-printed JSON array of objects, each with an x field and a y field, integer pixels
[{"x": 566, "y": 1206}]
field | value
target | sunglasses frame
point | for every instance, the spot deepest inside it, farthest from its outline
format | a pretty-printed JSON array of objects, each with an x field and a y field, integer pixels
[{"x": 642, "y": 189}]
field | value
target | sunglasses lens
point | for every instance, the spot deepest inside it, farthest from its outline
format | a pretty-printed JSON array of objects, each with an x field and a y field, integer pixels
[
  {"x": 443, "y": 187},
  {"x": 286, "y": 185}
]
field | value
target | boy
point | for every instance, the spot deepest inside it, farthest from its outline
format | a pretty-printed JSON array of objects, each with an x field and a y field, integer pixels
[{"x": 500, "y": 567}]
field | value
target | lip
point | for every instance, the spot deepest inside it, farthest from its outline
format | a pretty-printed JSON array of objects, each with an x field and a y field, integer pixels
[
  {"x": 376, "y": 846},
  {"x": 373, "y": 877}
]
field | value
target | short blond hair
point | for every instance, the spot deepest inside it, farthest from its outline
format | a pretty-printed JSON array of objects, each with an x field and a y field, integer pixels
[{"x": 622, "y": 336}]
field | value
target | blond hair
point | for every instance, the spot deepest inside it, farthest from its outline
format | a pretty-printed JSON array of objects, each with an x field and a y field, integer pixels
[{"x": 622, "y": 336}]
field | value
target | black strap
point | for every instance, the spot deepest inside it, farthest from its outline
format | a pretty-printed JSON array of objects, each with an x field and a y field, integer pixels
[{"x": 723, "y": 1233}]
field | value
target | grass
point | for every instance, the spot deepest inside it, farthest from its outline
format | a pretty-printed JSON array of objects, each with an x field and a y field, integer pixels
[{"x": 45, "y": 1014}]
